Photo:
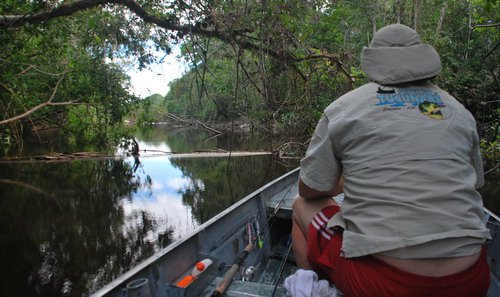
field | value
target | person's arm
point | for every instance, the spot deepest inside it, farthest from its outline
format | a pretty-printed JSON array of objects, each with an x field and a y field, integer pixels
[
  {"x": 320, "y": 169},
  {"x": 477, "y": 161},
  {"x": 309, "y": 193}
]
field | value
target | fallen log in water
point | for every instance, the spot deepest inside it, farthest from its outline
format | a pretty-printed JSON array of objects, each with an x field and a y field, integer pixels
[
  {"x": 65, "y": 157},
  {"x": 56, "y": 157},
  {"x": 218, "y": 154}
]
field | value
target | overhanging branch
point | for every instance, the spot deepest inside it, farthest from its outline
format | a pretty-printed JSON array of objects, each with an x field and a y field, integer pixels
[
  {"x": 168, "y": 22},
  {"x": 42, "y": 105}
]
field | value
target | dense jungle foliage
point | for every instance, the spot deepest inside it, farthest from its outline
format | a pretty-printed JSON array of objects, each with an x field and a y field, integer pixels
[{"x": 271, "y": 65}]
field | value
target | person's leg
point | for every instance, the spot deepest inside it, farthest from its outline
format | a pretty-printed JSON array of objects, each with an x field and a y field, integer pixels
[
  {"x": 303, "y": 212},
  {"x": 299, "y": 245}
]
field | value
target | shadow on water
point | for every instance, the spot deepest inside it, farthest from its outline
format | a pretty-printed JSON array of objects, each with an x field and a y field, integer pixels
[
  {"x": 68, "y": 228},
  {"x": 58, "y": 243}
]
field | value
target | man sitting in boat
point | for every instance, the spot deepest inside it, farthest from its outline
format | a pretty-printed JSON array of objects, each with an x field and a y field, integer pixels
[{"x": 405, "y": 153}]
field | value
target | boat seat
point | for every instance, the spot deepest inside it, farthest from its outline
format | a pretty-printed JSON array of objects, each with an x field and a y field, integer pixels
[
  {"x": 284, "y": 200},
  {"x": 285, "y": 197},
  {"x": 240, "y": 288}
]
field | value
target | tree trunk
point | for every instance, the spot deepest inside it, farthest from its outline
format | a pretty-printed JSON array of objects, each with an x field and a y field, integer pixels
[
  {"x": 441, "y": 18},
  {"x": 399, "y": 10},
  {"x": 374, "y": 25},
  {"x": 469, "y": 31},
  {"x": 416, "y": 14}
]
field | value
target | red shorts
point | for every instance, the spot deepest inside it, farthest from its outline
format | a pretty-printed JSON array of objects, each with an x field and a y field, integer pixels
[{"x": 370, "y": 277}]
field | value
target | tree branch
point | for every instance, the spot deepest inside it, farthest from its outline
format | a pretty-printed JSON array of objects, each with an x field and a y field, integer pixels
[
  {"x": 327, "y": 56},
  {"x": 169, "y": 23},
  {"x": 42, "y": 105},
  {"x": 484, "y": 25},
  {"x": 492, "y": 50},
  {"x": 15, "y": 21},
  {"x": 492, "y": 169}
]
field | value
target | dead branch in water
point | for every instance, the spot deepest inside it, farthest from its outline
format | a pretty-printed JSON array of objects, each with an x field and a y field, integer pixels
[
  {"x": 208, "y": 128},
  {"x": 56, "y": 157},
  {"x": 290, "y": 150},
  {"x": 194, "y": 122},
  {"x": 176, "y": 118}
]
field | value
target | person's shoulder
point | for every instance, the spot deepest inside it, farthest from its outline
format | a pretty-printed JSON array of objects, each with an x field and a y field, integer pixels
[
  {"x": 461, "y": 115},
  {"x": 357, "y": 93},
  {"x": 352, "y": 97},
  {"x": 451, "y": 100}
]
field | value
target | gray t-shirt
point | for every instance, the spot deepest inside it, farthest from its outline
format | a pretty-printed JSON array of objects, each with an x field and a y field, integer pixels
[{"x": 411, "y": 163}]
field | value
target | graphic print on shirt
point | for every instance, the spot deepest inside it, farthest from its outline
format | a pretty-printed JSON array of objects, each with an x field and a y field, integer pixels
[
  {"x": 429, "y": 102},
  {"x": 431, "y": 110}
]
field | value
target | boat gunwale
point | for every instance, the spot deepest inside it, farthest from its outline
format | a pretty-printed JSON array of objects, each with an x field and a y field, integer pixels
[
  {"x": 120, "y": 280},
  {"x": 493, "y": 215}
]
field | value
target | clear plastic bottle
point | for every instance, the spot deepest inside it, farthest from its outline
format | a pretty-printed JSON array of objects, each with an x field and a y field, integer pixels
[{"x": 197, "y": 270}]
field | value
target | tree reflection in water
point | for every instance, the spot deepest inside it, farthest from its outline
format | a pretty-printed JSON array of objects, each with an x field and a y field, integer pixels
[
  {"x": 69, "y": 228},
  {"x": 72, "y": 240},
  {"x": 211, "y": 185}
]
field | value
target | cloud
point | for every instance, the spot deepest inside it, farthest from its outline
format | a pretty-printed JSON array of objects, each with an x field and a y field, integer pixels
[
  {"x": 178, "y": 183},
  {"x": 168, "y": 212},
  {"x": 156, "y": 77}
]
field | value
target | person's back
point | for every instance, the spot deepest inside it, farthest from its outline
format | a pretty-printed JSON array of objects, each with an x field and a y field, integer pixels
[
  {"x": 410, "y": 171},
  {"x": 409, "y": 157}
]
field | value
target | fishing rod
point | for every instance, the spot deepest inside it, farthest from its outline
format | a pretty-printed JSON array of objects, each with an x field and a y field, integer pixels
[
  {"x": 228, "y": 277},
  {"x": 238, "y": 262},
  {"x": 282, "y": 265},
  {"x": 276, "y": 209},
  {"x": 271, "y": 216}
]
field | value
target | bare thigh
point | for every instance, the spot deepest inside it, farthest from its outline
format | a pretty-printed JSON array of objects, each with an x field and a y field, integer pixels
[{"x": 305, "y": 209}]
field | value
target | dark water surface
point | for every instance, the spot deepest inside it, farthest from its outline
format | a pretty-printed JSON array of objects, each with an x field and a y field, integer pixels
[{"x": 68, "y": 228}]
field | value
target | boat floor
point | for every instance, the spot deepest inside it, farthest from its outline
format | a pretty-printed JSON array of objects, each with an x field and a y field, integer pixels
[{"x": 264, "y": 286}]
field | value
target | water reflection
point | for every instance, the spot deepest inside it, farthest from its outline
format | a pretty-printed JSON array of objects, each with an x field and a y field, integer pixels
[
  {"x": 59, "y": 244},
  {"x": 68, "y": 228}
]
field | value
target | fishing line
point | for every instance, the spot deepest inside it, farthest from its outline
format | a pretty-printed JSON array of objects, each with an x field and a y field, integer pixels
[
  {"x": 282, "y": 265},
  {"x": 262, "y": 230},
  {"x": 238, "y": 262}
]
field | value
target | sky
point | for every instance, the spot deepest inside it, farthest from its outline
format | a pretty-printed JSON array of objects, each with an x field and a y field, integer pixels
[{"x": 155, "y": 78}]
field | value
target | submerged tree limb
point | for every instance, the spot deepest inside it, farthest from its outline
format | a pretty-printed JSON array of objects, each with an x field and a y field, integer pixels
[{"x": 25, "y": 185}]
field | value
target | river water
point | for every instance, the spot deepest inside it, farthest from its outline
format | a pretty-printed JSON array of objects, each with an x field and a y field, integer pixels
[{"x": 68, "y": 228}]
